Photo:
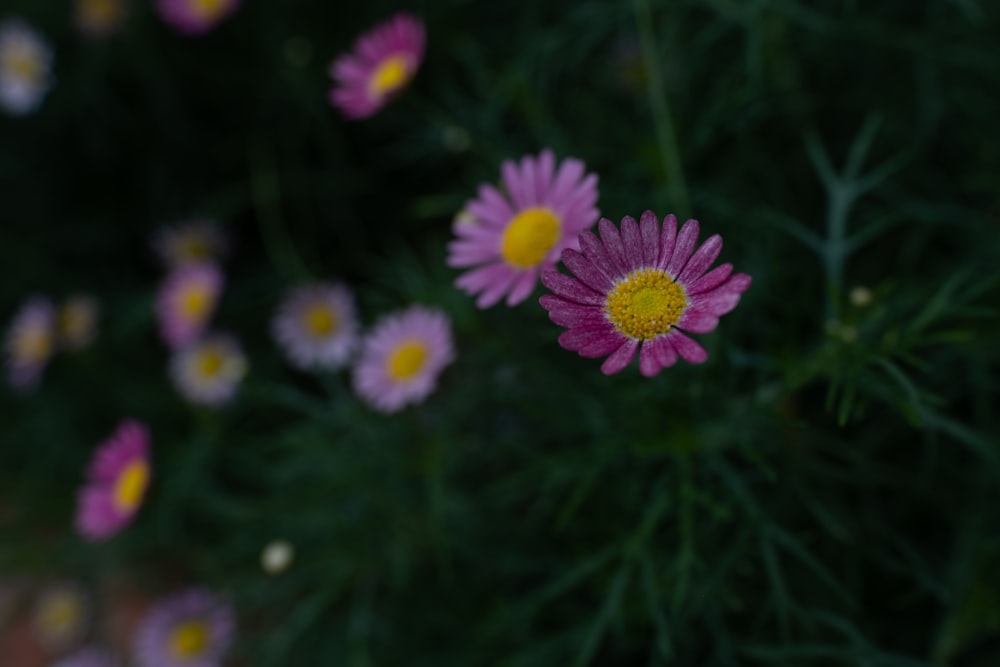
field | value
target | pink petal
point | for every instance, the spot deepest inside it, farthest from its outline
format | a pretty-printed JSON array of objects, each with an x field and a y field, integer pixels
[
  {"x": 632, "y": 241},
  {"x": 686, "y": 241},
  {"x": 620, "y": 358},
  {"x": 569, "y": 174},
  {"x": 690, "y": 351},
  {"x": 545, "y": 173},
  {"x": 702, "y": 259},
  {"x": 495, "y": 291},
  {"x": 650, "y": 230},
  {"x": 594, "y": 250},
  {"x": 570, "y": 288},
  {"x": 698, "y": 321},
  {"x": 523, "y": 287},
  {"x": 664, "y": 351},
  {"x": 649, "y": 364},
  {"x": 512, "y": 181},
  {"x": 585, "y": 270},
  {"x": 723, "y": 298},
  {"x": 667, "y": 239},
  {"x": 569, "y": 314},
  {"x": 602, "y": 345},
  {"x": 578, "y": 337},
  {"x": 711, "y": 280},
  {"x": 613, "y": 245}
]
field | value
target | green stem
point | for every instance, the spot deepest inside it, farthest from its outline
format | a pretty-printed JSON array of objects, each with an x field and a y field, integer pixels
[
  {"x": 662, "y": 118},
  {"x": 266, "y": 200}
]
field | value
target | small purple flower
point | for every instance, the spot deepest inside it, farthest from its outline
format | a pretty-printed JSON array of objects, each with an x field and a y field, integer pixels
[
  {"x": 209, "y": 370},
  {"x": 317, "y": 326},
  {"x": 402, "y": 358},
  {"x": 507, "y": 239},
  {"x": 61, "y": 615},
  {"x": 117, "y": 480},
  {"x": 383, "y": 62},
  {"x": 30, "y": 343},
  {"x": 190, "y": 242},
  {"x": 25, "y": 67},
  {"x": 194, "y": 17},
  {"x": 644, "y": 286},
  {"x": 193, "y": 628},
  {"x": 186, "y": 302}
]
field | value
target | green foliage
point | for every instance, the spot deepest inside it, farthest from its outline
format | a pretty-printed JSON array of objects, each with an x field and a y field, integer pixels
[{"x": 824, "y": 491}]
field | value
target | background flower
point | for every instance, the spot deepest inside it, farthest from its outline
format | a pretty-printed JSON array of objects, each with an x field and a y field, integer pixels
[
  {"x": 193, "y": 628},
  {"x": 194, "y": 17},
  {"x": 209, "y": 370},
  {"x": 186, "y": 302},
  {"x": 317, "y": 326},
  {"x": 30, "y": 343},
  {"x": 25, "y": 63}
]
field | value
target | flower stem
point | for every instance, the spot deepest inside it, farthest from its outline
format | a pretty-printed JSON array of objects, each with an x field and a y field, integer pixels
[{"x": 662, "y": 117}]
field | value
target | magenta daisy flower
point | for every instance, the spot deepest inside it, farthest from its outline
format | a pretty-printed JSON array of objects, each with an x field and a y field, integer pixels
[
  {"x": 25, "y": 67},
  {"x": 193, "y": 628},
  {"x": 186, "y": 301},
  {"x": 30, "y": 343},
  {"x": 116, "y": 483},
  {"x": 209, "y": 370},
  {"x": 190, "y": 242},
  {"x": 645, "y": 285},
  {"x": 402, "y": 358},
  {"x": 87, "y": 657},
  {"x": 383, "y": 62},
  {"x": 510, "y": 238},
  {"x": 194, "y": 17},
  {"x": 317, "y": 326}
]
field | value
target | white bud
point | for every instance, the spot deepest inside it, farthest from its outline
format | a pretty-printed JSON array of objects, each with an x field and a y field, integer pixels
[{"x": 277, "y": 556}]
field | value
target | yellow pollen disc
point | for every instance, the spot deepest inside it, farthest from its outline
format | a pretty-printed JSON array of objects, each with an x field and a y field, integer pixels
[
  {"x": 407, "y": 360},
  {"x": 61, "y": 614},
  {"x": 100, "y": 12},
  {"x": 22, "y": 63},
  {"x": 320, "y": 320},
  {"x": 209, "y": 9},
  {"x": 391, "y": 74},
  {"x": 131, "y": 486},
  {"x": 209, "y": 363},
  {"x": 34, "y": 345},
  {"x": 646, "y": 304},
  {"x": 189, "y": 639},
  {"x": 192, "y": 248},
  {"x": 529, "y": 237},
  {"x": 195, "y": 302}
]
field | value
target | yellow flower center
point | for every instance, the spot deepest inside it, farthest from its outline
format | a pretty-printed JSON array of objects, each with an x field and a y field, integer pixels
[
  {"x": 646, "y": 304},
  {"x": 391, "y": 74},
  {"x": 209, "y": 9},
  {"x": 407, "y": 360},
  {"x": 195, "y": 302},
  {"x": 22, "y": 62},
  {"x": 209, "y": 363},
  {"x": 131, "y": 486},
  {"x": 33, "y": 345},
  {"x": 103, "y": 13},
  {"x": 76, "y": 322},
  {"x": 320, "y": 320},
  {"x": 189, "y": 639},
  {"x": 192, "y": 248},
  {"x": 529, "y": 237},
  {"x": 61, "y": 614}
]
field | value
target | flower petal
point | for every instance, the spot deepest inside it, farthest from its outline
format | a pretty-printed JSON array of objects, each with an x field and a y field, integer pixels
[
  {"x": 585, "y": 270},
  {"x": 632, "y": 240},
  {"x": 710, "y": 280},
  {"x": 620, "y": 358},
  {"x": 649, "y": 364},
  {"x": 664, "y": 351},
  {"x": 595, "y": 251},
  {"x": 701, "y": 259},
  {"x": 649, "y": 228},
  {"x": 570, "y": 288},
  {"x": 690, "y": 351},
  {"x": 579, "y": 337},
  {"x": 569, "y": 314},
  {"x": 523, "y": 287},
  {"x": 668, "y": 237},
  {"x": 723, "y": 298},
  {"x": 613, "y": 244},
  {"x": 686, "y": 241},
  {"x": 698, "y": 321}
]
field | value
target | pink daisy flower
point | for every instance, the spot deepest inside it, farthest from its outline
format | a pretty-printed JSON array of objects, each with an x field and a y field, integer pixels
[
  {"x": 116, "y": 483},
  {"x": 30, "y": 343},
  {"x": 190, "y": 242},
  {"x": 510, "y": 237},
  {"x": 194, "y": 17},
  {"x": 187, "y": 300},
  {"x": 383, "y": 62},
  {"x": 402, "y": 358},
  {"x": 209, "y": 370},
  {"x": 317, "y": 326},
  {"x": 25, "y": 67},
  {"x": 193, "y": 628},
  {"x": 645, "y": 285}
]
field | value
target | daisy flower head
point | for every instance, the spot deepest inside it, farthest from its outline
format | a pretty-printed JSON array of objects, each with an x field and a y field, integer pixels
[
  {"x": 195, "y": 17},
  {"x": 384, "y": 60},
  {"x": 30, "y": 343},
  {"x": 116, "y": 485},
  {"x": 209, "y": 370},
  {"x": 61, "y": 616},
  {"x": 87, "y": 657},
  {"x": 507, "y": 238},
  {"x": 76, "y": 323},
  {"x": 317, "y": 326},
  {"x": 642, "y": 288},
  {"x": 193, "y": 628},
  {"x": 402, "y": 358},
  {"x": 99, "y": 18},
  {"x": 190, "y": 242},
  {"x": 25, "y": 67},
  {"x": 187, "y": 300}
]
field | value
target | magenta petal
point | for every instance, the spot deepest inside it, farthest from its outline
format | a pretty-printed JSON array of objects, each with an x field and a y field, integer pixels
[
  {"x": 650, "y": 230},
  {"x": 595, "y": 251},
  {"x": 523, "y": 287},
  {"x": 711, "y": 280},
  {"x": 701, "y": 260},
  {"x": 512, "y": 181},
  {"x": 723, "y": 298},
  {"x": 686, "y": 241},
  {"x": 613, "y": 244},
  {"x": 665, "y": 353},
  {"x": 579, "y": 337},
  {"x": 570, "y": 288},
  {"x": 690, "y": 351},
  {"x": 649, "y": 365},
  {"x": 602, "y": 345},
  {"x": 494, "y": 291},
  {"x": 668, "y": 237},
  {"x": 620, "y": 358},
  {"x": 632, "y": 240},
  {"x": 585, "y": 270},
  {"x": 698, "y": 321}
]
